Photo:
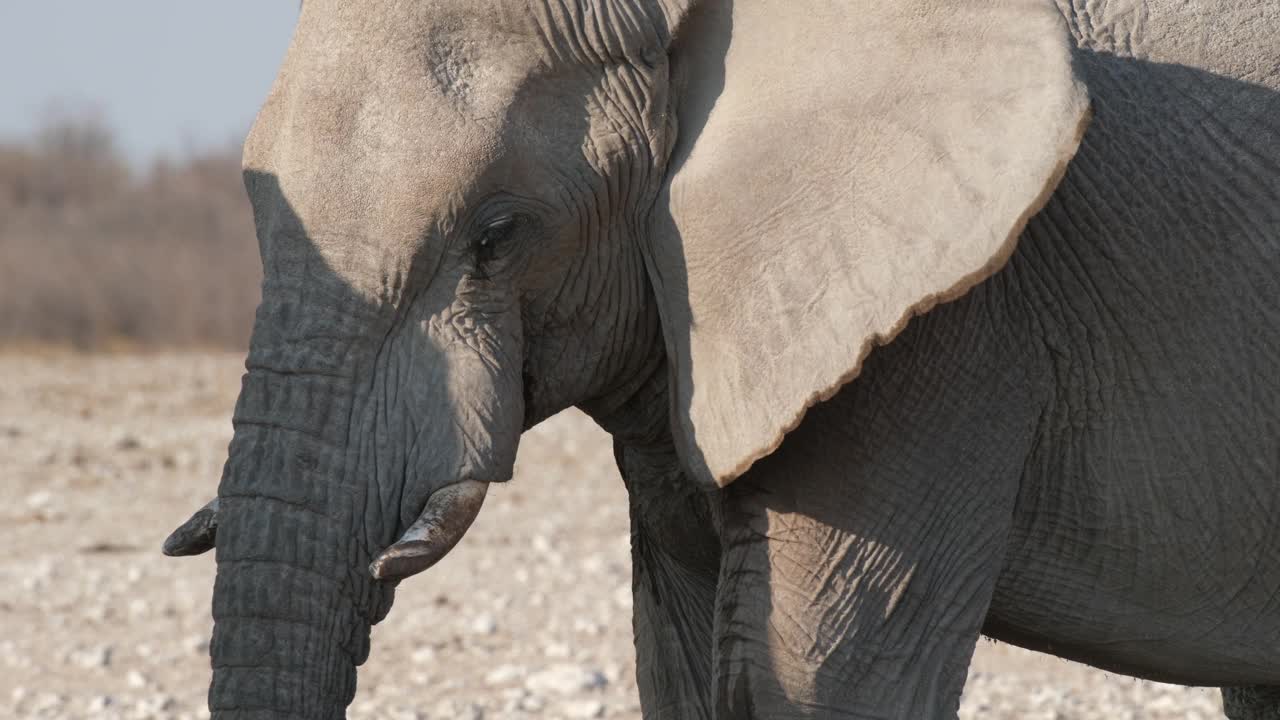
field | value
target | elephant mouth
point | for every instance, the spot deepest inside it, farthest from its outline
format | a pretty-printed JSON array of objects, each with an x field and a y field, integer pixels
[{"x": 448, "y": 515}]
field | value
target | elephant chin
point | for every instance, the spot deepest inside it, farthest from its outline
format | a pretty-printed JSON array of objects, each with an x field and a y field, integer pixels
[{"x": 446, "y": 518}]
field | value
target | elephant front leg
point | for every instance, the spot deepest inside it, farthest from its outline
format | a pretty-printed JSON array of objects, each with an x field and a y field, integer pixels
[
  {"x": 854, "y": 590},
  {"x": 673, "y": 617},
  {"x": 675, "y": 560},
  {"x": 1251, "y": 703}
]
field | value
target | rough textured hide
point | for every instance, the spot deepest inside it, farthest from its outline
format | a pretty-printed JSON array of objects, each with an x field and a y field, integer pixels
[
  {"x": 429, "y": 182},
  {"x": 932, "y": 131},
  {"x": 859, "y": 557},
  {"x": 1088, "y": 439}
]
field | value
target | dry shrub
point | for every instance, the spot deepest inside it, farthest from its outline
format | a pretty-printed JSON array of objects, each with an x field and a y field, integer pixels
[{"x": 95, "y": 254}]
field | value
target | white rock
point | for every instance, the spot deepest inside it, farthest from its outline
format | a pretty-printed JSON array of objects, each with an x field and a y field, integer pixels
[
  {"x": 579, "y": 709},
  {"x": 135, "y": 679},
  {"x": 98, "y": 704},
  {"x": 47, "y": 702},
  {"x": 424, "y": 655},
  {"x": 623, "y": 597},
  {"x": 484, "y": 625},
  {"x": 196, "y": 644},
  {"x": 39, "y": 500},
  {"x": 90, "y": 658},
  {"x": 457, "y": 710},
  {"x": 154, "y": 705},
  {"x": 593, "y": 565},
  {"x": 504, "y": 675},
  {"x": 565, "y": 679},
  {"x": 97, "y": 613},
  {"x": 531, "y": 703}
]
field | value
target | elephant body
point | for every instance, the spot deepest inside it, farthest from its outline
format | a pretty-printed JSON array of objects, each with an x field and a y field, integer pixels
[
  {"x": 694, "y": 219},
  {"x": 1090, "y": 440}
]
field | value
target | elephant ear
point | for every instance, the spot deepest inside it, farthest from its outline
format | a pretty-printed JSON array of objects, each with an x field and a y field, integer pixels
[{"x": 838, "y": 169}]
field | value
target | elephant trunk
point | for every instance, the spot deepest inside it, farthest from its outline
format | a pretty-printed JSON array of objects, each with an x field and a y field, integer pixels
[{"x": 293, "y": 603}]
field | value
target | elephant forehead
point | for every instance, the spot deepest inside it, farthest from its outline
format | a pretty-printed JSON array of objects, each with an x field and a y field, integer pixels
[{"x": 474, "y": 55}]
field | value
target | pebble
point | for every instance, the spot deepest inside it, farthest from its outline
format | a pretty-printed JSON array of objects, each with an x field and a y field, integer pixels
[
  {"x": 91, "y": 658},
  {"x": 484, "y": 625},
  {"x": 196, "y": 644},
  {"x": 39, "y": 500},
  {"x": 154, "y": 705},
  {"x": 583, "y": 709},
  {"x": 127, "y": 443},
  {"x": 504, "y": 675},
  {"x": 457, "y": 710},
  {"x": 98, "y": 704},
  {"x": 565, "y": 679}
]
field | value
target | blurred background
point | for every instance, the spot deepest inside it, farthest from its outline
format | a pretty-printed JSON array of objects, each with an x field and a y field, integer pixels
[
  {"x": 129, "y": 275},
  {"x": 123, "y": 221}
]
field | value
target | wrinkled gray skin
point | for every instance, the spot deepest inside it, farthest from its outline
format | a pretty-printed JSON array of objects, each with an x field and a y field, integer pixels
[{"x": 1079, "y": 456}]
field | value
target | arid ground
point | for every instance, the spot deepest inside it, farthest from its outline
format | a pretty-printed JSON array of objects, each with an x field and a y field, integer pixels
[{"x": 100, "y": 456}]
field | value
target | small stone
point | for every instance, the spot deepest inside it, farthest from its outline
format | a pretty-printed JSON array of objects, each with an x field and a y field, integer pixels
[
  {"x": 424, "y": 655},
  {"x": 623, "y": 597},
  {"x": 484, "y": 625},
  {"x": 47, "y": 703},
  {"x": 91, "y": 658},
  {"x": 127, "y": 443},
  {"x": 593, "y": 565},
  {"x": 98, "y": 704},
  {"x": 531, "y": 703},
  {"x": 197, "y": 644},
  {"x": 504, "y": 675},
  {"x": 135, "y": 679},
  {"x": 97, "y": 613},
  {"x": 39, "y": 500},
  {"x": 565, "y": 679},
  {"x": 557, "y": 651},
  {"x": 583, "y": 709},
  {"x": 154, "y": 705},
  {"x": 456, "y": 710}
]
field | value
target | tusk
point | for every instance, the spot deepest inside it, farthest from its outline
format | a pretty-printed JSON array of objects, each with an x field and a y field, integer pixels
[
  {"x": 196, "y": 535},
  {"x": 448, "y": 514}
]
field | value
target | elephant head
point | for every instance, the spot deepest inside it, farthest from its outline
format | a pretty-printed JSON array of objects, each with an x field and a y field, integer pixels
[{"x": 473, "y": 215}]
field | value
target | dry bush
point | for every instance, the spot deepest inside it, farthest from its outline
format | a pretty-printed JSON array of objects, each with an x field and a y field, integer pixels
[{"x": 95, "y": 254}]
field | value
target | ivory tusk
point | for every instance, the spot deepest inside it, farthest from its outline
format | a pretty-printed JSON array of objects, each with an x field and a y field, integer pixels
[
  {"x": 196, "y": 535},
  {"x": 445, "y": 519}
]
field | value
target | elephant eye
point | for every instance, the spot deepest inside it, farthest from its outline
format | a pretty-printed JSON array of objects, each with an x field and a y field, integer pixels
[{"x": 493, "y": 235}]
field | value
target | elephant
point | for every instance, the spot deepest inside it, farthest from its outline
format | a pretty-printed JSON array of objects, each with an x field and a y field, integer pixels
[{"x": 911, "y": 322}]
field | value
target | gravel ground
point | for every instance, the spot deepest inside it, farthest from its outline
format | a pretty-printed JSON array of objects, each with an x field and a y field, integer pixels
[{"x": 528, "y": 618}]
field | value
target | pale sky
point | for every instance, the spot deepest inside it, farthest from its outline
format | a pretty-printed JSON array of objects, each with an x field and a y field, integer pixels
[{"x": 167, "y": 75}]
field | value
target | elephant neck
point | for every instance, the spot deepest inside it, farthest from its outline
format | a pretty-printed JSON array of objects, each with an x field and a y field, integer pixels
[{"x": 637, "y": 414}]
